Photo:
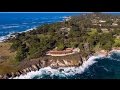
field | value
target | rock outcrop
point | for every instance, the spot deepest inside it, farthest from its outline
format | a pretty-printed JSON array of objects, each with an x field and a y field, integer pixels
[{"x": 38, "y": 64}]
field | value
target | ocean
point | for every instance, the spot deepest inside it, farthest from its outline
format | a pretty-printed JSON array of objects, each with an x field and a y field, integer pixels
[
  {"x": 95, "y": 67},
  {"x": 12, "y": 22}
]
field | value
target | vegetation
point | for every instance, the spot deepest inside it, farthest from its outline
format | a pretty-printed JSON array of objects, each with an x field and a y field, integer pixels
[
  {"x": 83, "y": 31},
  {"x": 117, "y": 43},
  {"x": 7, "y": 58},
  {"x": 86, "y": 32}
]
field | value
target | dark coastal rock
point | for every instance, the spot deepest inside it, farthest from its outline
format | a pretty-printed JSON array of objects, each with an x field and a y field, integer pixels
[
  {"x": 30, "y": 69},
  {"x": 24, "y": 71},
  {"x": 43, "y": 63},
  {"x": 27, "y": 70},
  {"x": 18, "y": 74},
  {"x": 53, "y": 63},
  {"x": 80, "y": 62},
  {"x": 34, "y": 67},
  {"x": 5, "y": 76},
  {"x": 13, "y": 75},
  {"x": 19, "y": 71},
  {"x": 46, "y": 62},
  {"x": 1, "y": 77},
  {"x": 9, "y": 75},
  {"x": 42, "y": 66},
  {"x": 61, "y": 70},
  {"x": 38, "y": 66},
  {"x": 49, "y": 72},
  {"x": 54, "y": 67}
]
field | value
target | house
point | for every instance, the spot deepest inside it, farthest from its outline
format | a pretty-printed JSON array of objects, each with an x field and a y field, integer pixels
[
  {"x": 65, "y": 52},
  {"x": 95, "y": 24},
  {"x": 118, "y": 37},
  {"x": 100, "y": 25},
  {"x": 59, "y": 52},
  {"x": 114, "y": 24},
  {"x": 64, "y": 29},
  {"x": 67, "y": 18},
  {"x": 105, "y": 30},
  {"x": 102, "y": 21}
]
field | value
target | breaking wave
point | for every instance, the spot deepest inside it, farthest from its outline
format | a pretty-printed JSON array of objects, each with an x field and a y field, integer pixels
[
  {"x": 60, "y": 72},
  {"x": 3, "y": 38},
  {"x": 7, "y": 29}
]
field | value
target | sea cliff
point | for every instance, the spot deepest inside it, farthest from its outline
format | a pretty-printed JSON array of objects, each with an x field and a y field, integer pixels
[
  {"x": 36, "y": 64},
  {"x": 54, "y": 62}
]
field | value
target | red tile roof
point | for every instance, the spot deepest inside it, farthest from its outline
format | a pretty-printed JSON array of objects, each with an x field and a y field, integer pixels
[{"x": 68, "y": 50}]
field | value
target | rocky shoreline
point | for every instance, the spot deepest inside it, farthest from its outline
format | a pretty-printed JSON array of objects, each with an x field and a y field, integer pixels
[
  {"x": 35, "y": 65},
  {"x": 106, "y": 53}
]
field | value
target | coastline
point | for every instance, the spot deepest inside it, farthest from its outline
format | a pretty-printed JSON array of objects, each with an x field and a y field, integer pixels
[
  {"x": 58, "y": 66},
  {"x": 6, "y": 37},
  {"x": 65, "y": 71},
  {"x": 12, "y": 35},
  {"x": 40, "y": 67}
]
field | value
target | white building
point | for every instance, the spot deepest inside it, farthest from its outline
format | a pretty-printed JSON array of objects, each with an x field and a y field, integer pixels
[
  {"x": 114, "y": 24},
  {"x": 102, "y": 21}
]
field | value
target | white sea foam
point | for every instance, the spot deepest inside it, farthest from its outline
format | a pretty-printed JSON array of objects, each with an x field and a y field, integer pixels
[
  {"x": 7, "y": 27},
  {"x": 3, "y": 38},
  {"x": 67, "y": 71},
  {"x": 28, "y": 30}
]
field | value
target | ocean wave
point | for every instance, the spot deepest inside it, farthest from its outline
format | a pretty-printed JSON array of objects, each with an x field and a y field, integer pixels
[
  {"x": 25, "y": 23},
  {"x": 3, "y": 38},
  {"x": 28, "y": 30},
  {"x": 115, "y": 55},
  {"x": 105, "y": 68},
  {"x": 7, "y": 27},
  {"x": 66, "y": 71},
  {"x": 13, "y": 24}
]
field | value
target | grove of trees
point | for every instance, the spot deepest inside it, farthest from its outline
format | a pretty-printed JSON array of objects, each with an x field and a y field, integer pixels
[{"x": 82, "y": 34}]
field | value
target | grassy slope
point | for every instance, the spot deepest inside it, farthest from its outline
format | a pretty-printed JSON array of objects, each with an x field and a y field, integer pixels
[{"x": 7, "y": 61}]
